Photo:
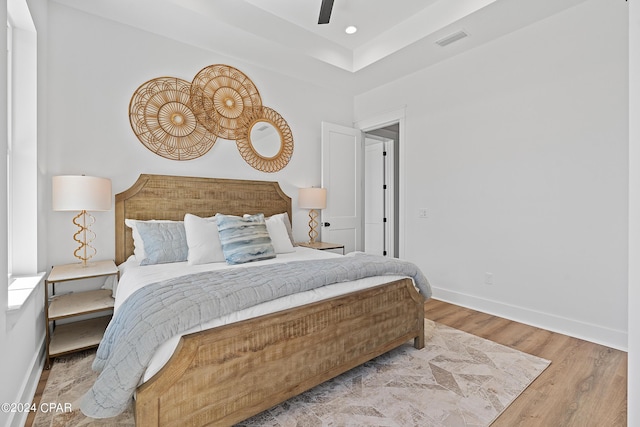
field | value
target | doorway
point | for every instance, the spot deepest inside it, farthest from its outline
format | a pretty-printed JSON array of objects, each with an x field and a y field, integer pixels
[
  {"x": 343, "y": 175},
  {"x": 381, "y": 172}
]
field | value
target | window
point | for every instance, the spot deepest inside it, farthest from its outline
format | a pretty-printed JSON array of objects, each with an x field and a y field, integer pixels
[
  {"x": 9, "y": 141},
  {"x": 22, "y": 161}
]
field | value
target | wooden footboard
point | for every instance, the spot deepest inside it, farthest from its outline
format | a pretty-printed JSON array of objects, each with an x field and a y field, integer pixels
[{"x": 227, "y": 374}]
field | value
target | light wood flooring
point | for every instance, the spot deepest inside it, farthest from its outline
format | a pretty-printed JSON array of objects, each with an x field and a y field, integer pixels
[
  {"x": 585, "y": 385},
  {"x": 38, "y": 396}
]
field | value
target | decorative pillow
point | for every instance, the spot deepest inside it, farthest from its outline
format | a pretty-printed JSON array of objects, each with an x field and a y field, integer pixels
[
  {"x": 203, "y": 240},
  {"x": 138, "y": 244},
  {"x": 163, "y": 242},
  {"x": 287, "y": 223},
  {"x": 279, "y": 234},
  {"x": 244, "y": 239}
]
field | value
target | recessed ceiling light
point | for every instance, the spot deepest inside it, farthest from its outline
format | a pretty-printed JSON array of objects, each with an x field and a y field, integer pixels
[{"x": 350, "y": 29}]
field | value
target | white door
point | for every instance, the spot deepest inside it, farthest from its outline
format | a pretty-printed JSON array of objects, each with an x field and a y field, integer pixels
[
  {"x": 374, "y": 197},
  {"x": 342, "y": 163},
  {"x": 379, "y": 196}
]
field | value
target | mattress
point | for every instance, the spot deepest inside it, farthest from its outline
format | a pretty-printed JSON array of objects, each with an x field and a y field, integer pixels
[{"x": 134, "y": 277}]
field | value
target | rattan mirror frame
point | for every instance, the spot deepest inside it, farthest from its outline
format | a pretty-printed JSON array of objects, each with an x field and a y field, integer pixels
[{"x": 249, "y": 153}]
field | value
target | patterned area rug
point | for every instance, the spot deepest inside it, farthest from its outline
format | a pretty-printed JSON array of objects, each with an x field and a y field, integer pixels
[{"x": 457, "y": 380}]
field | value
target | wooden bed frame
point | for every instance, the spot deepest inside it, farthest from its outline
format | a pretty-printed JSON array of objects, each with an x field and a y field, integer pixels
[{"x": 227, "y": 374}]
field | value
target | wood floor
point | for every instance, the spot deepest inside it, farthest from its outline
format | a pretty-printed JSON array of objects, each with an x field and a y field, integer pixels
[
  {"x": 585, "y": 385},
  {"x": 38, "y": 396}
]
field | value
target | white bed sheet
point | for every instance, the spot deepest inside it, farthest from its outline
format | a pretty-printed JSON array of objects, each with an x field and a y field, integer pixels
[{"x": 133, "y": 277}]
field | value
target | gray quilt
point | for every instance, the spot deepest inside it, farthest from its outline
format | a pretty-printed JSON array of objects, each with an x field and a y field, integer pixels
[{"x": 159, "y": 311}]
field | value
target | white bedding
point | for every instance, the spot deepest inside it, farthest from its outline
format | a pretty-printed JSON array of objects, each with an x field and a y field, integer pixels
[{"x": 133, "y": 277}]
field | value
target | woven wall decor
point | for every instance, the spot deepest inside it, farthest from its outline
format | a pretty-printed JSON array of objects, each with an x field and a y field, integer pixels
[
  {"x": 219, "y": 96},
  {"x": 179, "y": 120},
  {"x": 161, "y": 117},
  {"x": 254, "y": 117}
]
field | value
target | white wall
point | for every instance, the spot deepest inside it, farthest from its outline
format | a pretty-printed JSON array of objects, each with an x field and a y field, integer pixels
[
  {"x": 518, "y": 149},
  {"x": 95, "y": 65},
  {"x": 633, "y": 394}
]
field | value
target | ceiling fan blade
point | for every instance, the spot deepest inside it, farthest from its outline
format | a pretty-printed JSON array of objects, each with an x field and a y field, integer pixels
[{"x": 325, "y": 11}]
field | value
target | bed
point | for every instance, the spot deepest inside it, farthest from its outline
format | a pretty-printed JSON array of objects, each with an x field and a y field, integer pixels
[{"x": 226, "y": 374}]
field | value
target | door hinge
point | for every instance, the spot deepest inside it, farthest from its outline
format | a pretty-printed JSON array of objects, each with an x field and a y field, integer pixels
[
  {"x": 384, "y": 253},
  {"x": 384, "y": 219},
  {"x": 384, "y": 186},
  {"x": 384, "y": 153}
]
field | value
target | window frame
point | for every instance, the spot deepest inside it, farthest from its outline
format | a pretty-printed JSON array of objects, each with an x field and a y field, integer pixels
[{"x": 21, "y": 155}]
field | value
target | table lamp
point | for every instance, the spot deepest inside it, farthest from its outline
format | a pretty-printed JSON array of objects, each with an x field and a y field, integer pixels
[
  {"x": 312, "y": 199},
  {"x": 82, "y": 193}
]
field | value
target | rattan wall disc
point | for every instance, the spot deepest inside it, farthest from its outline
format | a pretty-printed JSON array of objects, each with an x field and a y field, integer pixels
[
  {"x": 219, "y": 96},
  {"x": 161, "y": 117},
  {"x": 264, "y": 162}
]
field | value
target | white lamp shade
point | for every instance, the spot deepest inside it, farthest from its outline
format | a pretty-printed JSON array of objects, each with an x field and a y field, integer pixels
[
  {"x": 81, "y": 193},
  {"x": 312, "y": 198}
]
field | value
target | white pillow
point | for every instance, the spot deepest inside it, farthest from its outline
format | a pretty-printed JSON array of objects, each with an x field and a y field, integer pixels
[
  {"x": 287, "y": 223},
  {"x": 279, "y": 233},
  {"x": 138, "y": 243},
  {"x": 203, "y": 240}
]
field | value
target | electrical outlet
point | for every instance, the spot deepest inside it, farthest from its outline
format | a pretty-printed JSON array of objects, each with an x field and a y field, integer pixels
[
  {"x": 488, "y": 278},
  {"x": 422, "y": 213}
]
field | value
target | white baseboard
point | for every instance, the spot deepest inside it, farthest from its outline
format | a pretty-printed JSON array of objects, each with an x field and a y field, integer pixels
[
  {"x": 28, "y": 387},
  {"x": 585, "y": 331}
]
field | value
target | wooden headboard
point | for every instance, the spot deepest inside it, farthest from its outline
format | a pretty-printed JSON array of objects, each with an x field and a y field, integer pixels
[{"x": 171, "y": 197}]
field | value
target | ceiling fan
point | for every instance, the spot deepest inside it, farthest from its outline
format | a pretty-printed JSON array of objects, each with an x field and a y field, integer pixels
[{"x": 325, "y": 11}]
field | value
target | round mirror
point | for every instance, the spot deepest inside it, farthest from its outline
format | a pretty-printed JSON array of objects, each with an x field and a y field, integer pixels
[{"x": 265, "y": 139}]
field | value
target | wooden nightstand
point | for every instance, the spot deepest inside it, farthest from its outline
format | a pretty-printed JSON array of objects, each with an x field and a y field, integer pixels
[
  {"x": 75, "y": 336},
  {"x": 322, "y": 246}
]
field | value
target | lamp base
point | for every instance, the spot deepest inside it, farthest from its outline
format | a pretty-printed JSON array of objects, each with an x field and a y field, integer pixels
[
  {"x": 85, "y": 251},
  {"x": 313, "y": 224}
]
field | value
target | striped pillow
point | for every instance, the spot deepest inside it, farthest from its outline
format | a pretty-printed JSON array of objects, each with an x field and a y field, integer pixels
[{"x": 244, "y": 239}]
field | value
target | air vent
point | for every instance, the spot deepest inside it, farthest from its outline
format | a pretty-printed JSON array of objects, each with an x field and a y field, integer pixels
[{"x": 451, "y": 38}]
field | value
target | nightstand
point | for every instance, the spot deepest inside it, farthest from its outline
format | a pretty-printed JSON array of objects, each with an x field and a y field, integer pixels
[
  {"x": 79, "y": 335},
  {"x": 322, "y": 246}
]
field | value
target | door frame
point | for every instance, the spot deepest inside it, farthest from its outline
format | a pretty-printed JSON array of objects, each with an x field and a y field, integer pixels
[
  {"x": 380, "y": 121},
  {"x": 389, "y": 193}
]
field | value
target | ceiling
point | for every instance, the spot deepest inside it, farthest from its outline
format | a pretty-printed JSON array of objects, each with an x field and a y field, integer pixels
[{"x": 394, "y": 38}]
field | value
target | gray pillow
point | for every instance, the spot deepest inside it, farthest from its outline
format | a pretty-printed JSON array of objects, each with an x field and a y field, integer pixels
[
  {"x": 163, "y": 242},
  {"x": 244, "y": 239}
]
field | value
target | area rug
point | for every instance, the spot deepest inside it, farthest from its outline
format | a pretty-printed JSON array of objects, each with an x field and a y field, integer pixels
[{"x": 457, "y": 380}]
